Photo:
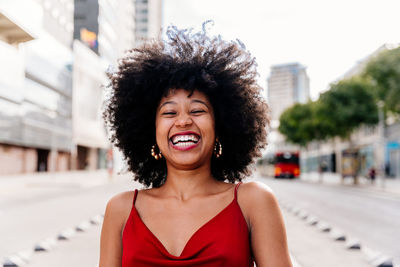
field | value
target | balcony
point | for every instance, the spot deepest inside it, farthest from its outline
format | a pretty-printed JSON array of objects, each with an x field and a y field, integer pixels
[{"x": 12, "y": 33}]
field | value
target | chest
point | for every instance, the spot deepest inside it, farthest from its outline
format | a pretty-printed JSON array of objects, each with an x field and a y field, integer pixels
[
  {"x": 175, "y": 225},
  {"x": 222, "y": 240}
]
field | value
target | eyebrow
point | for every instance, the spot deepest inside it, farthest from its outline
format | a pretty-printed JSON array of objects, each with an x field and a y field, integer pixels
[
  {"x": 199, "y": 101},
  {"x": 166, "y": 103},
  {"x": 174, "y": 103}
]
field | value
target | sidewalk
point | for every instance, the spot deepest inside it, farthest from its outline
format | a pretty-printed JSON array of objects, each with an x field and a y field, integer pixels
[
  {"x": 17, "y": 188},
  {"x": 68, "y": 178},
  {"x": 388, "y": 185},
  {"x": 39, "y": 206},
  {"x": 311, "y": 247}
]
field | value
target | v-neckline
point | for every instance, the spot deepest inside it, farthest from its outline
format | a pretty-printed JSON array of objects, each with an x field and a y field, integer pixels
[{"x": 190, "y": 238}]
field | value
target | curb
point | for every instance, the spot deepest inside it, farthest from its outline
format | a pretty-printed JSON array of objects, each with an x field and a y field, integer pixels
[
  {"x": 373, "y": 257},
  {"x": 366, "y": 186},
  {"x": 23, "y": 257}
]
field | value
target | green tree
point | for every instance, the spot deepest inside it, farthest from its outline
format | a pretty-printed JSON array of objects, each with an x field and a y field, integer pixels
[
  {"x": 296, "y": 122},
  {"x": 305, "y": 123},
  {"x": 348, "y": 105},
  {"x": 383, "y": 72},
  {"x": 301, "y": 124}
]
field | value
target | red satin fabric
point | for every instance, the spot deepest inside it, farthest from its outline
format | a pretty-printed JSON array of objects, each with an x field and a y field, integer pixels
[{"x": 222, "y": 241}]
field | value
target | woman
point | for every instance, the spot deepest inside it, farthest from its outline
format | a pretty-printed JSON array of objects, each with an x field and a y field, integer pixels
[{"x": 188, "y": 116}]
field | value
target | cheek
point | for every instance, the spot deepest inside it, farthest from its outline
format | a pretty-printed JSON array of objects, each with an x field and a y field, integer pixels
[
  {"x": 208, "y": 128},
  {"x": 162, "y": 128}
]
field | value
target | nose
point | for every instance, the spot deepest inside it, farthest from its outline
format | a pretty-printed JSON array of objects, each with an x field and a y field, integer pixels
[{"x": 183, "y": 120}]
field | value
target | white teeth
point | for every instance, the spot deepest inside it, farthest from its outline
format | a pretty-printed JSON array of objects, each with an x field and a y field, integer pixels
[
  {"x": 185, "y": 138},
  {"x": 184, "y": 144}
]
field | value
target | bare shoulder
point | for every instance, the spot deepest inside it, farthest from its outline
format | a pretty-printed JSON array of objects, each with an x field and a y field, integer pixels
[
  {"x": 268, "y": 235},
  {"x": 119, "y": 201},
  {"x": 257, "y": 200},
  {"x": 256, "y": 193},
  {"x": 117, "y": 212},
  {"x": 119, "y": 207}
]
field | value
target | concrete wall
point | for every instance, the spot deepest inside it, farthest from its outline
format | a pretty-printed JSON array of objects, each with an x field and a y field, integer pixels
[
  {"x": 11, "y": 159},
  {"x": 30, "y": 158},
  {"x": 16, "y": 160},
  {"x": 63, "y": 161},
  {"x": 92, "y": 159}
]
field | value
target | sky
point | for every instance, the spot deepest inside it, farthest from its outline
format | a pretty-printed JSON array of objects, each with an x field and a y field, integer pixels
[{"x": 328, "y": 37}]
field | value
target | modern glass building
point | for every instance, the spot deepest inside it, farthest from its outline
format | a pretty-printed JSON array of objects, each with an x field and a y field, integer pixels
[
  {"x": 287, "y": 84},
  {"x": 35, "y": 95}
]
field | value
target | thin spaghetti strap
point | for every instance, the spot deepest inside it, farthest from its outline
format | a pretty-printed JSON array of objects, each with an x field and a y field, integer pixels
[
  {"x": 236, "y": 188},
  {"x": 134, "y": 197}
]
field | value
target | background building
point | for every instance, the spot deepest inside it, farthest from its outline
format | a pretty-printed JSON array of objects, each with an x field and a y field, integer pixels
[
  {"x": 147, "y": 19},
  {"x": 86, "y": 22},
  {"x": 35, "y": 91},
  {"x": 89, "y": 133},
  {"x": 287, "y": 84},
  {"x": 54, "y": 55},
  {"x": 374, "y": 147},
  {"x": 58, "y": 19},
  {"x": 109, "y": 28},
  {"x": 13, "y": 155}
]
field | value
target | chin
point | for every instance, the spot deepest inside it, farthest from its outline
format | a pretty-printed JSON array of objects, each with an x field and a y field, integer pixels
[{"x": 188, "y": 163}]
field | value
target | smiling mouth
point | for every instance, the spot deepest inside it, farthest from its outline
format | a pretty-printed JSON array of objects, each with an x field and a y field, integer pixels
[{"x": 185, "y": 140}]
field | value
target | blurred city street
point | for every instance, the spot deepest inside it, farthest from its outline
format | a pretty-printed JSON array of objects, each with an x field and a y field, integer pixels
[
  {"x": 36, "y": 208},
  {"x": 333, "y": 94}
]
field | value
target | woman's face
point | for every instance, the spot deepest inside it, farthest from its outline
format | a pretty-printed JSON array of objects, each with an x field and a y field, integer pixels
[{"x": 185, "y": 129}]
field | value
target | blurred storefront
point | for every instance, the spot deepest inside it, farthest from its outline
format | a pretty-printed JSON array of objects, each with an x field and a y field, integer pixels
[
  {"x": 392, "y": 153},
  {"x": 347, "y": 157},
  {"x": 366, "y": 159},
  {"x": 36, "y": 90},
  {"x": 12, "y": 156},
  {"x": 54, "y": 55},
  {"x": 19, "y": 152},
  {"x": 47, "y": 106},
  {"x": 36, "y": 128},
  {"x": 313, "y": 163},
  {"x": 350, "y": 163},
  {"x": 89, "y": 133}
]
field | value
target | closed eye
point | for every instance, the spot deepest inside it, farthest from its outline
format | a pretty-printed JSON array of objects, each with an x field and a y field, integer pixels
[
  {"x": 168, "y": 113},
  {"x": 197, "y": 111}
]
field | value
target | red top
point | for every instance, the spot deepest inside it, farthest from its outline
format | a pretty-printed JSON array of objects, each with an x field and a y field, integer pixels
[{"x": 222, "y": 241}]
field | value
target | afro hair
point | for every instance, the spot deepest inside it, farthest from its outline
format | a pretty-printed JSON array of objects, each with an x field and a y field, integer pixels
[{"x": 224, "y": 71}]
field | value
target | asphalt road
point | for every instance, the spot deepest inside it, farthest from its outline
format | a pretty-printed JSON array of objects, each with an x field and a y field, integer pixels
[{"x": 371, "y": 217}]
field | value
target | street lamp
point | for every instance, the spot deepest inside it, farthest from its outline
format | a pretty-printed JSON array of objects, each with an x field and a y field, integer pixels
[{"x": 381, "y": 147}]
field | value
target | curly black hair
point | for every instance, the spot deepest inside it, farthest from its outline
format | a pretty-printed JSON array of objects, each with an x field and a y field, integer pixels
[{"x": 224, "y": 71}]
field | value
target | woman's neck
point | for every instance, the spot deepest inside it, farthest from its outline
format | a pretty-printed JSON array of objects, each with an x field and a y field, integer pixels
[{"x": 185, "y": 184}]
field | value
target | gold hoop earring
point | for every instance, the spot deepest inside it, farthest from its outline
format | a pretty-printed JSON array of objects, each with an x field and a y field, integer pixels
[
  {"x": 217, "y": 149},
  {"x": 158, "y": 155}
]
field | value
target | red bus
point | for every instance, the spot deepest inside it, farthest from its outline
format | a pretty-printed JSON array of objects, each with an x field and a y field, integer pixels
[{"x": 287, "y": 165}]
